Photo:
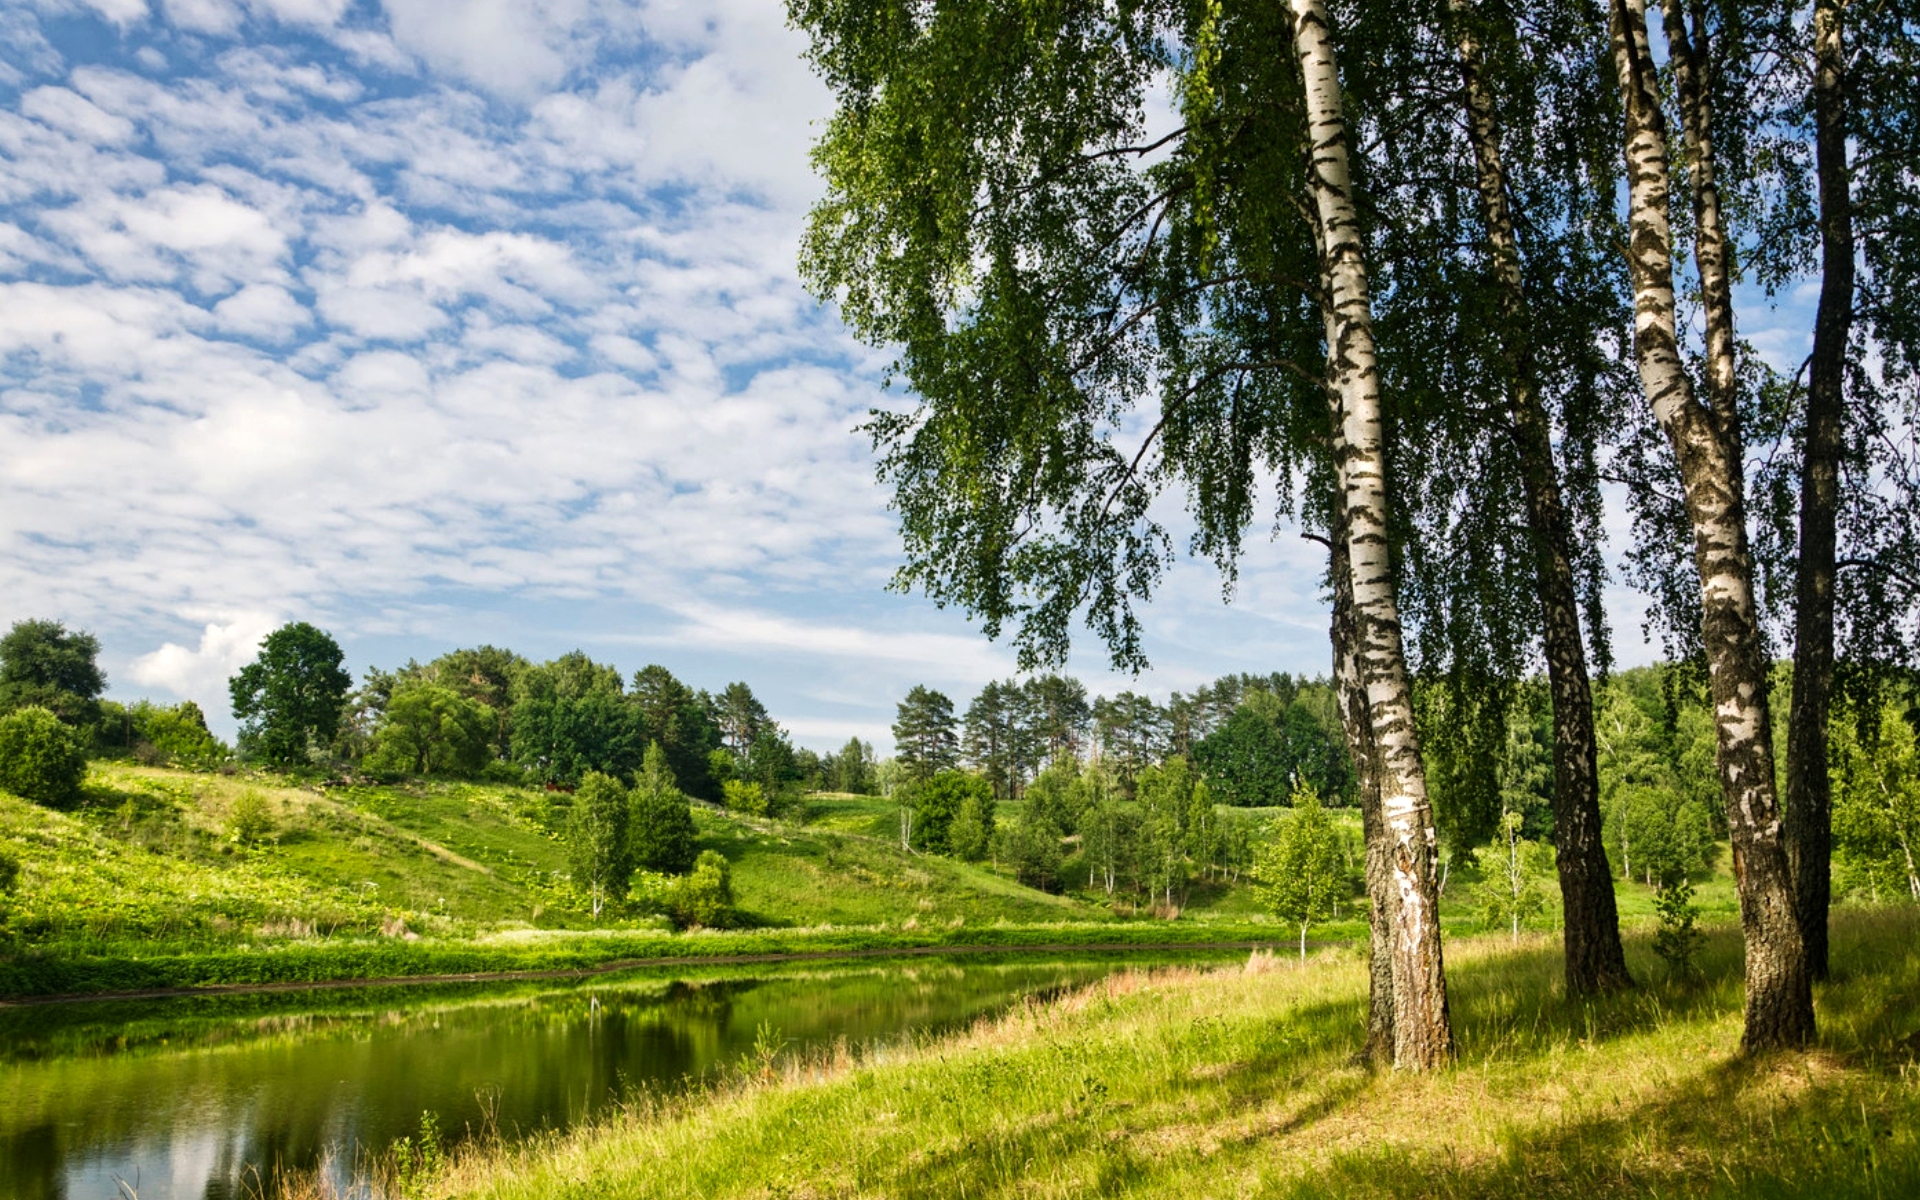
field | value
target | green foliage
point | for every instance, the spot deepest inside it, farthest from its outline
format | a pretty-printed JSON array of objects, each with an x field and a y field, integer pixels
[
  {"x": 1676, "y": 940},
  {"x": 1301, "y": 871},
  {"x": 289, "y": 699},
  {"x": 674, "y": 716},
  {"x": 1510, "y": 895},
  {"x": 704, "y": 896},
  {"x": 250, "y": 821},
  {"x": 41, "y": 759},
  {"x": 852, "y": 770},
  {"x": 429, "y": 729},
  {"x": 1658, "y": 784},
  {"x": 9, "y": 873},
  {"x": 1255, "y": 757},
  {"x": 570, "y": 718},
  {"x": 970, "y": 837},
  {"x": 1876, "y": 802},
  {"x": 484, "y": 675},
  {"x": 597, "y": 840},
  {"x": 1030, "y": 847},
  {"x": 925, "y": 741},
  {"x": 744, "y": 797},
  {"x": 43, "y": 665},
  {"x": 178, "y": 734},
  {"x": 937, "y": 803},
  {"x": 661, "y": 823},
  {"x": 418, "y": 1162}
]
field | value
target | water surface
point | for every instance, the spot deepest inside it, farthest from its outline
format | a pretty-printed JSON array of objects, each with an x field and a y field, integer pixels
[{"x": 203, "y": 1098}]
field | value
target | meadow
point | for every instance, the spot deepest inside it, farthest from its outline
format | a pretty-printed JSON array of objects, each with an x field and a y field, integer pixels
[{"x": 1186, "y": 1082}]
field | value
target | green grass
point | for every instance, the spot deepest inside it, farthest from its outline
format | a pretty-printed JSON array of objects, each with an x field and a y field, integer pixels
[
  {"x": 1196, "y": 1083},
  {"x": 144, "y": 887}
]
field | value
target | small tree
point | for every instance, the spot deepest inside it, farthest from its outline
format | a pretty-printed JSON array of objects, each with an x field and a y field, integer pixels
[
  {"x": 1301, "y": 872},
  {"x": 250, "y": 821},
  {"x": 661, "y": 823},
  {"x": 1511, "y": 894},
  {"x": 597, "y": 848},
  {"x": 937, "y": 803},
  {"x": 41, "y": 759},
  {"x": 1676, "y": 941},
  {"x": 744, "y": 797},
  {"x": 290, "y": 697},
  {"x": 971, "y": 834},
  {"x": 178, "y": 734},
  {"x": 1031, "y": 846},
  {"x": 705, "y": 896}
]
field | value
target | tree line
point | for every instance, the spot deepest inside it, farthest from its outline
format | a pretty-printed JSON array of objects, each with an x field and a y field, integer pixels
[{"x": 1416, "y": 265}]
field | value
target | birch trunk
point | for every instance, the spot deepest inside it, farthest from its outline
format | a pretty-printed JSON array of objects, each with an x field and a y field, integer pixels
[
  {"x": 1809, "y": 791},
  {"x": 1377, "y": 860},
  {"x": 1779, "y": 1001},
  {"x": 1422, "y": 1033},
  {"x": 1688, "y": 53},
  {"x": 1595, "y": 961}
]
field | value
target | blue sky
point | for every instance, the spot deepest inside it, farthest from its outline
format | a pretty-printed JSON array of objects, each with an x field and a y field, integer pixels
[{"x": 439, "y": 322}]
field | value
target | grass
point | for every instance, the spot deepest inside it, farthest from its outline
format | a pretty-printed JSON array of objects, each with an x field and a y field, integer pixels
[
  {"x": 1197, "y": 1083},
  {"x": 146, "y": 887}
]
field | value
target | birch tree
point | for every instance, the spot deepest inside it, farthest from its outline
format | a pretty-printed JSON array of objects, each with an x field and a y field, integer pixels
[
  {"x": 1422, "y": 1031},
  {"x": 1595, "y": 960},
  {"x": 1051, "y": 267},
  {"x": 1704, "y": 439}
]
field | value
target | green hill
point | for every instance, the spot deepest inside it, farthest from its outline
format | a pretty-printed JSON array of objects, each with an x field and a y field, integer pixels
[{"x": 149, "y": 884}]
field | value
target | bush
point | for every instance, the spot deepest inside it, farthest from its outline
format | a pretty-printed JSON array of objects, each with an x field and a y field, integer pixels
[
  {"x": 703, "y": 897},
  {"x": 749, "y": 798},
  {"x": 1677, "y": 942},
  {"x": 250, "y": 820},
  {"x": 40, "y": 758}
]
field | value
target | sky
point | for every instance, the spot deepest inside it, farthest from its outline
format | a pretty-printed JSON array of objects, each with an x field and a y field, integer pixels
[{"x": 448, "y": 322}]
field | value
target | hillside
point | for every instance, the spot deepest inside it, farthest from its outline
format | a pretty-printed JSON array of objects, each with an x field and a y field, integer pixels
[
  {"x": 433, "y": 877},
  {"x": 147, "y": 886}
]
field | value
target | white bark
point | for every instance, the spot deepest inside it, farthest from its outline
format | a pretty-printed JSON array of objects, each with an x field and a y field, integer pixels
[{"x": 1423, "y": 1036}]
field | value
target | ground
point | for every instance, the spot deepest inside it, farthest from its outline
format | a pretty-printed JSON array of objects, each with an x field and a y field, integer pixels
[{"x": 1193, "y": 1083}]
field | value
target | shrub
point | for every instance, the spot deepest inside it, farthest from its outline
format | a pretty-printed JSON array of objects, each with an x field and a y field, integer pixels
[
  {"x": 1677, "y": 942},
  {"x": 749, "y": 798},
  {"x": 250, "y": 820},
  {"x": 41, "y": 759},
  {"x": 705, "y": 895}
]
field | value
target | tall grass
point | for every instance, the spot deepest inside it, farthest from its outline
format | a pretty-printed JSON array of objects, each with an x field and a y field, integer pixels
[{"x": 1240, "y": 1082}]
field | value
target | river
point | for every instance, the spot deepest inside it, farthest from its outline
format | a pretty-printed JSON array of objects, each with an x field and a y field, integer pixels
[{"x": 206, "y": 1098}]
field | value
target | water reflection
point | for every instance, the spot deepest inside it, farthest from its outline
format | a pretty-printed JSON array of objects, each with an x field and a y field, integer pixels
[{"x": 202, "y": 1099}]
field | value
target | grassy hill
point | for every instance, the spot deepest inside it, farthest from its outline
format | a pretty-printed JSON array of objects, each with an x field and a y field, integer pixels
[
  {"x": 1240, "y": 1082},
  {"x": 146, "y": 885}
]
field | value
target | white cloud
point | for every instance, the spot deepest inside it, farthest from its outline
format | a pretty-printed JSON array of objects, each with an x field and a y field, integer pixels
[
  {"x": 120, "y": 12},
  {"x": 262, "y": 310},
  {"x": 200, "y": 674},
  {"x": 73, "y": 113},
  {"x": 515, "y": 47},
  {"x": 203, "y": 16}
]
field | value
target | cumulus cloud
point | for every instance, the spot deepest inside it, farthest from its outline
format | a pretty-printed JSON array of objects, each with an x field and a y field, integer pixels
[
  {"x": 200, "y": 673},
  {"x": 401, "y": 313}
]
